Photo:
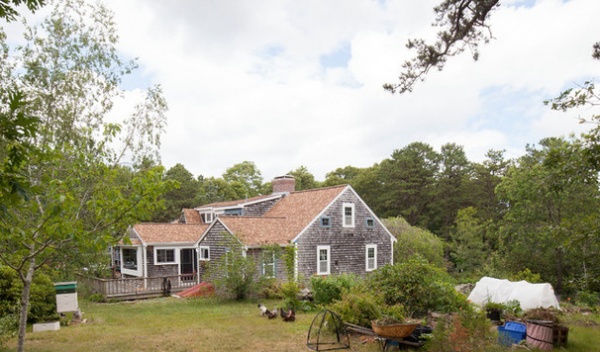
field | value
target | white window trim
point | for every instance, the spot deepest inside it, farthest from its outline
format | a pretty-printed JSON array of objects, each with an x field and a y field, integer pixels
[
  {"x": 208, "y": 217},
  {"x": 140, "y": 264},
  {"x": 344, "y": 206},
  {"x": 264, "y": 265},
  {"x": 319, "y": 249},
  {"x": 200, "y": 249},
  {"x": 175, "y": 256},
  {"x": 369, "y": 246}
]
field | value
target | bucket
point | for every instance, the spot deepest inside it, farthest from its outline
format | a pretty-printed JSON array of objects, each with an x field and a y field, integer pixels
[{"x": 539, "y": 334}]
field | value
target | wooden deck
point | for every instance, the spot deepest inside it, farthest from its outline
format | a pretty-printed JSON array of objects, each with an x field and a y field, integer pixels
[{"x": 139, "y": 288}]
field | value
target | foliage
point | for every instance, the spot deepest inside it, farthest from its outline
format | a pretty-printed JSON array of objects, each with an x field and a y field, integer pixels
[
  {"x": 73, "y": 199},
  {"x": 326, "y": 290},
  {"x": 9, "y": 13},
  {"x": 468, "y": 251},
  {"x": 42, "y": 303},
  {"x": 245, "y": 178},
  {"x": 233, "y": 273},
  {"x": 465, "y": 25},
  {"x": 415, "y": 242},
  {"x": 552, "y": 194},
  {"x": 588, "y": 299},
  {"x": 289, "y": 259},
  {"x": 290, "y": 291},
  {"x": 357, "y": 308},
  {"x": 176, "y": 199},
  {"x": 528, "y": 276},
  {"x": 467, "y": 331},
  {"x": 417, "y": 285},
  {"x": 304, "y": 179}
]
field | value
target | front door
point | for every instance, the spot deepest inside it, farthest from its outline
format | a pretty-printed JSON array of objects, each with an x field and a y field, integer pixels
[{"x": 189, "y": 263}]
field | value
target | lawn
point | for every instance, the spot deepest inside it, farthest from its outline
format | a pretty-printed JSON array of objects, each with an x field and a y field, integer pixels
[{"x": 170, "y": 324}]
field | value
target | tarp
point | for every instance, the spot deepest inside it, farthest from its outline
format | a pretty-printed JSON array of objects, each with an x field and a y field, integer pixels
[{"x": 530, "y": 296}]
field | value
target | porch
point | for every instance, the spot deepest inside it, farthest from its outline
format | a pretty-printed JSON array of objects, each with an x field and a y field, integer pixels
[{"x": 139, "y": 287}]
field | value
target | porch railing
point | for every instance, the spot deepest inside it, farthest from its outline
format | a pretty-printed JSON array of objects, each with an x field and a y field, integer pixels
[{"x": 139, "y": 285}]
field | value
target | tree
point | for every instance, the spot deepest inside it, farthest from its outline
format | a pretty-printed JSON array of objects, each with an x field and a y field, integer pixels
[
  {"x": 408, "y": 183},
  {"x": 9, "y": 13},
  {"x": 184, "y": 196},
  {"x": 304, "y": 179},
  {"x": 465, "y": 24},
  {"x": 549, "y": 226},
  {"x": 451, "y": 188},
  {"x": 468, "y": 251},
  {"x": 245, "y": 178},
  {"x": 74, "y": 198},
  {"x": 414, "y": 242}
]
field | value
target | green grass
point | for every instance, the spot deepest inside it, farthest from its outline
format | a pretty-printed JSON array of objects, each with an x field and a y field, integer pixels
[{"x": 170, "y": 324}]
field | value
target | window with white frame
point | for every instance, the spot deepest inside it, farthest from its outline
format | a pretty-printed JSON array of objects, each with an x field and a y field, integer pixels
[
  {"x": 268, "y": 264},
  {"x": 348, "y": 214},
  {"x": 207, "y": 217},
  {"x": 371, "y": 257},
  {"x": 129, "y": 261},
  {"x": 323, "y": 260},
  {"x": 204, "y": 252},
  {"x": 164, "y": 255}
]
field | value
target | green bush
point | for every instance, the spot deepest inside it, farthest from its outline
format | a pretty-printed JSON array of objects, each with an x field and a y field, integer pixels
[
  {"x": 357, "y": 308},
  {"x": 418, "y": 286},
  {"x": 269, "y": 288},
  {"x": 42, "y": 297},
  {"x": 326, "y": 290},
  {"x": 587, "y": 299}
]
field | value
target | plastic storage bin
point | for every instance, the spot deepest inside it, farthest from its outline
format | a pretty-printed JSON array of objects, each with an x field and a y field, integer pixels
[{"x": 511, "y": 332}]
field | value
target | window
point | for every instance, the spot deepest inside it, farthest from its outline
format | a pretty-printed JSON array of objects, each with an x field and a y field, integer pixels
[
  {"x": 323, "y": 260},
  {"x": 268, "y": 265},
  {"x": 204, "y": 253},
  {"x": 371, "y": 257},
  {"x": 370, "y": 222},
  {"x": 164, "y": 256},
  {"x": 207, "y": 218},
  {"x": 130, "y": 258},
  {"x": 348, "y": 214},
  {"x": 325, "y": 221}
]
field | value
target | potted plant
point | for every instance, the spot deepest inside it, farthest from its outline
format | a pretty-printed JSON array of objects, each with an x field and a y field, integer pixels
[
  {"x": 494, "y": 310},
  {"x": 393, "y": 327}
]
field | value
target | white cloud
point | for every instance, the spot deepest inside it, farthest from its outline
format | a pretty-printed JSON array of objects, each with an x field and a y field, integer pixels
[{"x": 244, "y": 82}]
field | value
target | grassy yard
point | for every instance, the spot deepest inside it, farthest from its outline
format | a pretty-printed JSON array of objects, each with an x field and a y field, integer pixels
[{"x": 170, "y": 324}]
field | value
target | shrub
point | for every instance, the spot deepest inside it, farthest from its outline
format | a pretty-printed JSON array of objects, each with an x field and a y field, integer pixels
[
  {"x": 587, "y": 299},
  {"x": 326, "y": 290},
  {"x": 418, "y": 286},
  {"x": 233, "y": 273},
  {"x": 357, "y": 308},
  {"x": 42, "y": 297},
  {"x": 269, "y": 288}
]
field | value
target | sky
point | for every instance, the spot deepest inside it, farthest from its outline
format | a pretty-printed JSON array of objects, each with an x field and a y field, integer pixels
[{"x": 291, "y": 83}]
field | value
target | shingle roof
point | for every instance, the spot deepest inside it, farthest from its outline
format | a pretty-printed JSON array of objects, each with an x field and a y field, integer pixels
[
  {"x": 169, "y": 233},
  {"x": 285, "y": 220},
  {"x": 191, "y": 216}
]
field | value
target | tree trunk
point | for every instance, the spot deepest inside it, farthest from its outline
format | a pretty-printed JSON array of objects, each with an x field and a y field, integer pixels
[{"x": 24, "y": 305}]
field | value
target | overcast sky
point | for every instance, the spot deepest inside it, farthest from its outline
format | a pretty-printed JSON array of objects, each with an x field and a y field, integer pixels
[{"x": 291, "y": 83}]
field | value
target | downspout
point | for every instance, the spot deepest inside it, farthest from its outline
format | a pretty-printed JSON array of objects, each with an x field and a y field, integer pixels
[
  {"x": 145, "y": 266},
  {"x": 296, "y": 262},
  {"x": 197, "y": 264}
]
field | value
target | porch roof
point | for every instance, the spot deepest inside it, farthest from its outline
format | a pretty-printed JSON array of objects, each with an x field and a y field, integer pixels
[{"x": 154, "y": 233}]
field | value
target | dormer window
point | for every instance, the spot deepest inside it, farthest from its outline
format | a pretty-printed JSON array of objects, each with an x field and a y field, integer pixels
[{"x": 207, "y": 217}]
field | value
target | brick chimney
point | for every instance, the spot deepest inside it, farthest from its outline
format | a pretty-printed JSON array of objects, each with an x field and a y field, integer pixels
[{"x": 283, "y": 184}]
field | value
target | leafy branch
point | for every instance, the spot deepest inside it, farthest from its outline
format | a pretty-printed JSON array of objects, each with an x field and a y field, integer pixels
[{"x": 466, "y": 26}]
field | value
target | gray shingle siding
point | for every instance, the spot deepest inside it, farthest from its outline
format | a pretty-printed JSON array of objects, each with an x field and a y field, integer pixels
[
  {"x": 259, "y": 209},
  {"x": 347, "y": 244}
]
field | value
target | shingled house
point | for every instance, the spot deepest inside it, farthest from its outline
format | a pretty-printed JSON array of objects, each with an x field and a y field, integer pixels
[{"x": 332, "y": 230}]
